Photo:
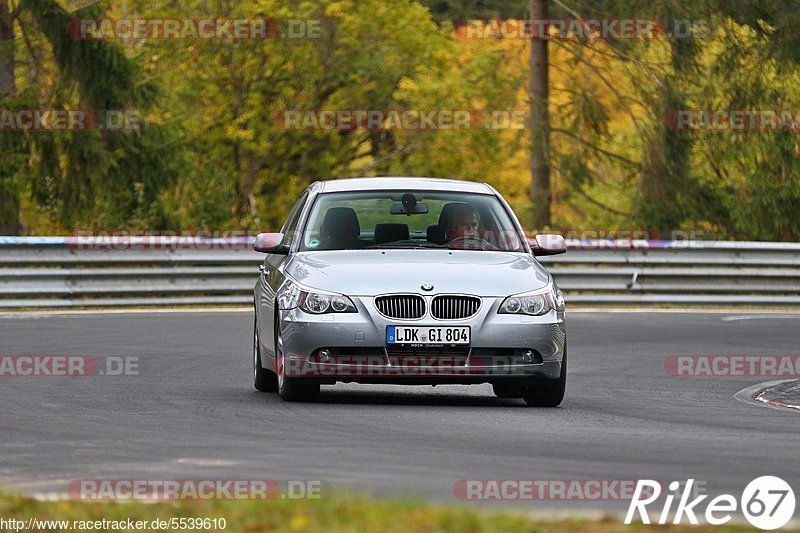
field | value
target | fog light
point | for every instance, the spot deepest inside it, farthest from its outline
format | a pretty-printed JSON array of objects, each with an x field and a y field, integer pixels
[
  {"x": 324, "y": 356},
  {"x": 527, "y": 356}
]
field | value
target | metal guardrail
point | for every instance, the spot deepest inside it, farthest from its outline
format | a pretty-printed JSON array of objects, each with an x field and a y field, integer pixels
[{"x": 56, "y": 272}]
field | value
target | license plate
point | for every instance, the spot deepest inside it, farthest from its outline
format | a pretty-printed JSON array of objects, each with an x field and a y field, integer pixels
[{"x": 427, "y": 335}]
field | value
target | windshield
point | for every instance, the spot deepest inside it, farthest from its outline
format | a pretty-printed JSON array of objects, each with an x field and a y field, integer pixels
[{"x": 410, "y": 219}]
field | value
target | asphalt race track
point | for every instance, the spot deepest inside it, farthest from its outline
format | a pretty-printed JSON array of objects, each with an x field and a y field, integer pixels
[{"x": 191, "y": 412}]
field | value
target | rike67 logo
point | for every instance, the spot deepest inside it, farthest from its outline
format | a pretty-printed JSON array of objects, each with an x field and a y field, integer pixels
[{"x": 767, "y": 502}]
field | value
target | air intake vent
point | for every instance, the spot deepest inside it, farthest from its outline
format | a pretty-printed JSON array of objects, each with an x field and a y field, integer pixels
[
  {"x": 455, "y": 307},
  {"x": 404, "y": 306}
]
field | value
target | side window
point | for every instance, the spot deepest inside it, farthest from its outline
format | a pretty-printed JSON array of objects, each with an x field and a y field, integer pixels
[{"x": 290, "y": 227}]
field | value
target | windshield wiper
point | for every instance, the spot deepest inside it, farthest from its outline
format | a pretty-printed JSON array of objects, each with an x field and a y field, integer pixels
[{"x": 405, "y": 245}]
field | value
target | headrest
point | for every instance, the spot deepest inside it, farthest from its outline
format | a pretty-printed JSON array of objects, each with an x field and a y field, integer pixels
[
  {"x": 340, "y": 223},
  {"x": 390, "y": 233}
]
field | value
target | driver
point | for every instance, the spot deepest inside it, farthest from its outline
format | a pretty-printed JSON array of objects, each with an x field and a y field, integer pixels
[{"x": 465, "y": 223}]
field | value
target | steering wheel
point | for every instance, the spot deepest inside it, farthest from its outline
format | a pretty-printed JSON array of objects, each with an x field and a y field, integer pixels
[{"x": 483, "y": 244}]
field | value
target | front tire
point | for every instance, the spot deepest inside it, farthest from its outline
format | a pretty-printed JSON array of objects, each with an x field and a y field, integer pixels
[
  {"x": 291, "y": 389},
  {"x": 263, "y": 379},
  {"x": 547, "y": 392}
]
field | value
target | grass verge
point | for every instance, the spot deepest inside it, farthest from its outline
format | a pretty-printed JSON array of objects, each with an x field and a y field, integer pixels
[{"x": 333, "y": 513}]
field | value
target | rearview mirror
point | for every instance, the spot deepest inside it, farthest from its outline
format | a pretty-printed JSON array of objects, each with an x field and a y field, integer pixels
[
  {"x": 416, "y": 209},
  {"x": 548, "y": 244},
  {"x": 270, "y": 243}
]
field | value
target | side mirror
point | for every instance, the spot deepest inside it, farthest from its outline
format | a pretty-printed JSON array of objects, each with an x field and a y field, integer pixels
[
  {"x": 270, "y": 243},
  {"x": 548, "y": 244}
]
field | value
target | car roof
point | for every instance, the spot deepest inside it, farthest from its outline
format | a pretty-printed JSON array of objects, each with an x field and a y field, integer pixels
[{"x": 398, "y": 182}]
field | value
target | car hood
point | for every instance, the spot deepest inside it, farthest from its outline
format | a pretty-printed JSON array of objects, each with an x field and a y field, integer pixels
[{"x": 371, "y": 272}]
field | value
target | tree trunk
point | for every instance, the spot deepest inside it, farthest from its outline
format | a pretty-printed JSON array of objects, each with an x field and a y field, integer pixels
[
  {"x": 540, "y": 122},
  {"x": 9, "y": 202},
  {"x": 666, "y": 179},
  {"x": 7, "y": 82}
]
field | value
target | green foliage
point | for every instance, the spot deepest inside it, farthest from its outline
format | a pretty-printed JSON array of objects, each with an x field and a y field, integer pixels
[
  {"x": 105, "y": 77},
  {"x": 71, "y": 180},
  {"x": 230, "y": 98},
  {"x": 334, "y": 512},
  {"x": 456, "y": 10},
  {"x": 754, "y": 175},
  {"x": 212, "y": 151},
  {"x": 13, "y": 166},
  {"x": 777, "y": 19}
]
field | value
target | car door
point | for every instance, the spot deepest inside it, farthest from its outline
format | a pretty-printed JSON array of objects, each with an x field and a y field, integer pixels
[{"x": 271, "y": 278}]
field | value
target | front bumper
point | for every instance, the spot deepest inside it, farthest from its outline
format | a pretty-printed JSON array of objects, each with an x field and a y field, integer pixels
[{"x": 503, "y": 347}]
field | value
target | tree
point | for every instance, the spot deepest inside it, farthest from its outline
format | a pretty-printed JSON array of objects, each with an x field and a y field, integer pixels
[
  {"x": 457, "y": 10},
  {"x": 540, "y": 121},
  {"x": 231, "y": 99},
  {"x": 7, "y": 79},
  {"x": 78, "y": 179},
  {"x": 9, "y": 203}
]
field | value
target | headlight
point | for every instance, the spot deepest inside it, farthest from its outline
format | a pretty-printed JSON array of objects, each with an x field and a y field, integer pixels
[
  {"x": 317, "y": 302},
  {"x": 313, "y": 301},
  {"x": 533, "y": 303}
]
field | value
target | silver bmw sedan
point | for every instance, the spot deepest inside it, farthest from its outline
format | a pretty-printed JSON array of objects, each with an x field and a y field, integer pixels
[{"x": 414, "y": 281}]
